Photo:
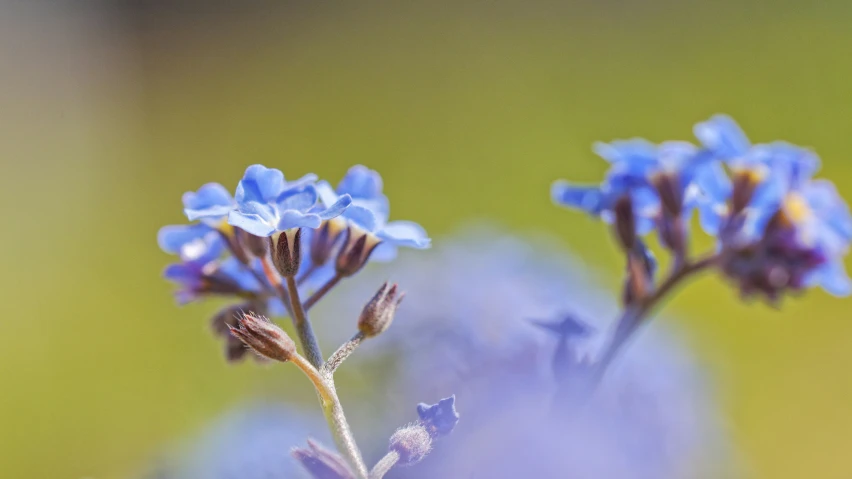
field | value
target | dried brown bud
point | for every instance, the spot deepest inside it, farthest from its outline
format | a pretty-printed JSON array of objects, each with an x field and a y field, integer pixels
[
  {"x": 264, "y": 337},
  {"x": 286, "y": 247},
  {"x": 669, "y": 190},
  {"x": 358, "y": 245},
  {"x": 322, "y": 463},
  {"x": 379, "y": 312},
  {"x": 228, "y": 317},
  {"x": 412, "y": 443}
]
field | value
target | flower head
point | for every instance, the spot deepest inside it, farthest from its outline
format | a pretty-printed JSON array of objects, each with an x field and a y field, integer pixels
[
  {"x": 266, "y": 203},
  {"x": 211, "y": 204}
]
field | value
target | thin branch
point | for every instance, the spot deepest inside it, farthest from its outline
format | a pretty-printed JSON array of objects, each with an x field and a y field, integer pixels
[
  {"x": 343, "y": 352},
  {"x": 303, "y": 325},
  {"x": 384, "y": 465},
  {"x": 318, "y": 294}
]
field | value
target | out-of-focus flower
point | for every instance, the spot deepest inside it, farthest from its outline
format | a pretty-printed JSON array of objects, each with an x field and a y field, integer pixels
[
  {"x": 211, "y": 204},
  {"x": 251, "y": 442},
  {"x": 465, "y": 329},
  {"x": 266, "y": 203}
]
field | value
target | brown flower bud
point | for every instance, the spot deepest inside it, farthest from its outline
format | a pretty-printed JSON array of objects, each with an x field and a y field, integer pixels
[
  {"x": 264, "y": 337},
  {"x": 358, "y": 245},
  {"x": 286, "y": 247},
  {"x": 256, "y": 245},
  {"x": 379, "y": 312},
  {"x": 325, "y": 239},
  {"x": 625, "y": 222}
]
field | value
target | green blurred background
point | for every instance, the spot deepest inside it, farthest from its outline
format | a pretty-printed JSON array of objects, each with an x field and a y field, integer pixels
[{"x": 109, "y": 111}]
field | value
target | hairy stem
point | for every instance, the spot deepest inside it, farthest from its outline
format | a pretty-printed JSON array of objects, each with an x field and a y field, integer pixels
[
  {"x": 384, "y": 465},
  {"x": 303, "y": 325},
  {"x": 343, "y": 437},
  {"x": 343, "y": 352},
  {"x": 318, "y": 294}
]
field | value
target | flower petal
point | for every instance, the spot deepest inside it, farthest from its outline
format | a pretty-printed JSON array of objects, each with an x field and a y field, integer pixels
[
  {"x": 361, "y": 216},
  {"x": 336, "y": 209},
  {"x": 250, "y": 222},
  {"x": 299, "y": 199},
  {"x": 173, "y": 237},
  {"x": 296, "y": 219},
  {"x": 405, "y": 233},
  {"x": 722, "y": 136},
  {"x": 361, "y": 182},
  {"x": 832, "y": 277},
  {"x": 210, "y": 201},
  {"x": 589, "y": 198},
  {"x": 260, "y": 184}
]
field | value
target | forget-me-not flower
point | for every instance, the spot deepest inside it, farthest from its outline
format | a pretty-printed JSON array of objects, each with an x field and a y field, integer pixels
[{"x": 267, "y": 203}]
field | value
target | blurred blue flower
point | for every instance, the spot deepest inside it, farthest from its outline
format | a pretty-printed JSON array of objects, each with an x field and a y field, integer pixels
[
  {"x": 370, "y": 210},
  {"x": 464, "y": 328},
  {"x": 251, "y": 442},
  {"x": 266, "y": 203},
  {"x": 653, "y": 176}
]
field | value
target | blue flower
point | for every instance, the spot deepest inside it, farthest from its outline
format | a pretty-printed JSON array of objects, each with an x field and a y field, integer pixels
[
  {"x": 369, "y": 212},
  {"x": 211, "y": 204},
  {"x": 266, "y": 203},
  {"x": 173, "y": 238},
  {"x": 653, "y": 176}
]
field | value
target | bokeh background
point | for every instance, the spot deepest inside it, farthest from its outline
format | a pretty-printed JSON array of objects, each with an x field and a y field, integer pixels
[{"x": 110, "y": 110}]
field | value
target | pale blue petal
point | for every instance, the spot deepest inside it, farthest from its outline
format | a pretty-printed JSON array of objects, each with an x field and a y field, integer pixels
[
  {"x": 302, "y": 182},
  {"x": 210, "y": 201},
  {"x": 336, "y": 209},
  {"x": 405, "y": 233},
  {"x": 589, "y": 198},
  {"x": 711, "y": 216},
  {"x": 326, "y": 193},
  {"x": 361, "y": 182},
  {"x": 299, "y": 199},
  {"x": 251, "y": 223},
  {"x": 172, "y": 238},
  {"x": 714, "y": 183},
  {"x": 296, "y": 219},
  {"x": 260, "y": 184},
  {"x": 722, "y": 136},
  {"x": 237, "y": 272},
  {"x": 384, "y": 252},
  {"x": 637, "y": 151},
  {"x": 361, "y": 216},
  {"x": 832, "y": 277}
]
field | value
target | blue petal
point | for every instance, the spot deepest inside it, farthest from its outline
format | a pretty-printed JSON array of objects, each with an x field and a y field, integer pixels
[
  {"x": 251, "y": 223},
  {"x": 296, "y": 219},
  {"x": 361, "y": 182},
  {"x": 361, "y": 216},
  {"x": 260, "y": 184},
  {"x": 172, "y": 238},
  {"x": 585, "y": 197},
  {"x": 237, "y": 272},
  {"x": 832, "y": 277},
  {"x": 722, "y": 136},
  {"x": 405, "y": 233},
  {"x": 336, "y": 209},
  {"x": 384, "y": 252},
  {"x": 183, "y": 273},
  {"x": 326, "y": 193},
  {"x": 307, "y": 180},
  {"x": 210, "y": 201},
  {"x": 714, "y": 183},
  {"x": 298, "y": 199},
  {"x": 638, "y": 152},
  {"x": 711, "y": 216}
]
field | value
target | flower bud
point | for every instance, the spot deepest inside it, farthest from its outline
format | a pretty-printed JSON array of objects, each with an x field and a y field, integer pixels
[
  {"x": 231, "y": 235},
  {"x": 358, "y": 245},
  {"x": 669, "y": 190},
  {"x": 379, "y": 312},
  {"x": 325, "y": 239},
  {"x": 412, "y": 443},
  {"x": 264, "y": 337},
  {"x": 625, "y": 222},
  {"x": 228, "y": 317},
  {"x": 256, "y": 245},
  {"x": 286, "y": 247},
  {"x": 745, "y": 182},
  {"x": 322, "y": 463},
  {"x": 439, "y": 419}
]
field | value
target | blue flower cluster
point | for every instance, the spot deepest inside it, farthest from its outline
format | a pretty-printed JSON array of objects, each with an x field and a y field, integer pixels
[
  {"x": 233, "y": 248},
  {"x": 779, "y": 229}
]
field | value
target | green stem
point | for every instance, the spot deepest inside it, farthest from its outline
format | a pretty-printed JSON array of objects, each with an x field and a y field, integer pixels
[
  {"x": 303, "y": 325},
  {"x": 384, "y": 465}
]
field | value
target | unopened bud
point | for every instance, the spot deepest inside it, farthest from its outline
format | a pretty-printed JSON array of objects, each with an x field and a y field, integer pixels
[
  {"x": 378, "y": 314},
  {"x": 669, "y": 190},
  {"x": 745, "y": 182},
  {"x": 286, "y": 247},
  {"x": 625, "y": 222},
  {"x": 256, "y": 245},
  {"x": 412, "y": 443},
  {"x": 231, "y": 235},
  {"x": 325, "y": 239},
  {"x": 358, "y": 245},
  {"x": 227, "y": 318},
  {"x": 322, "y": 463},
  {"x": 264, "y": 337},
  {"x": 673, "y": 233}
]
